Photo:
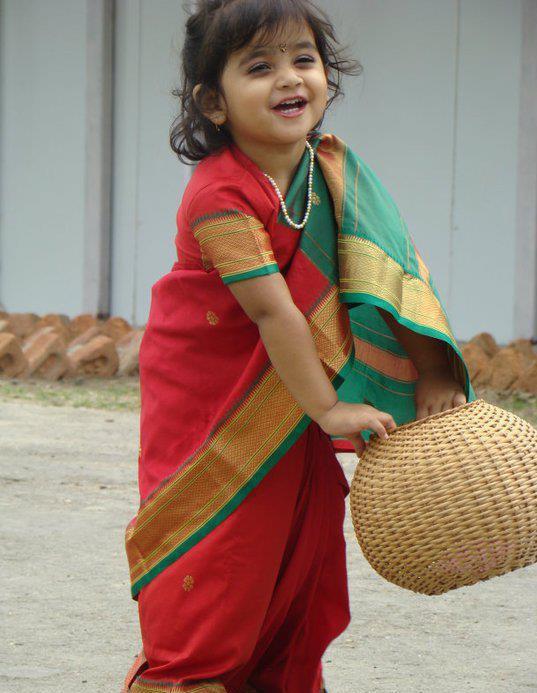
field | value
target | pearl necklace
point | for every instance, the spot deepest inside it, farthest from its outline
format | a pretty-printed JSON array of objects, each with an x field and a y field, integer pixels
[{"x": 310, "y": 190}]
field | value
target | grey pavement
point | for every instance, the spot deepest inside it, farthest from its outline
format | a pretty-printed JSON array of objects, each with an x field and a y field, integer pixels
[{"x": 68, "y": 489}]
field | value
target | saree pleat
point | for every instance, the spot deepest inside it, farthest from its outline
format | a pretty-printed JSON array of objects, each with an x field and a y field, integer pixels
[{"x": 257, "y": 601}]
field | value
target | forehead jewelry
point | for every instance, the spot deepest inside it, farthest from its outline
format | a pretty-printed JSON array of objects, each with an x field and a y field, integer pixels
[
  {"x": 310, "y": 191},
  {"x": 283, "y": 47}
]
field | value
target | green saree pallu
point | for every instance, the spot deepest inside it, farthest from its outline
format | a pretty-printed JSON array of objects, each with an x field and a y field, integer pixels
[{"x": 354, "y": 256}]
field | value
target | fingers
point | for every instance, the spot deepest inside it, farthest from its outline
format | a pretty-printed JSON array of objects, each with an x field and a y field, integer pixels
[
  {"x": 359, "y": 444},
  {"x": 426, "y": 407},
  {"x": 459, "y": 399},
  {"x": 422, "y": 410},
  {"x": 436, "y": 407},
  {"x": 439, "y": 404},
  {"x": 380, "y": 423},
  {"x": 387, "y": 420},
  {"x": 450, "y": 402},
  {"x": 377, "y": 427}
]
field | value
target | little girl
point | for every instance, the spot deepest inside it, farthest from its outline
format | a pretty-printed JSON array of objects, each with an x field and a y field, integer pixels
[{"x": 298, "y": 319}]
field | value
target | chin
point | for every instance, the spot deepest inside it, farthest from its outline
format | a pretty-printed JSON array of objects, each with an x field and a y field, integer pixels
[{"x": 294, "y": 137}]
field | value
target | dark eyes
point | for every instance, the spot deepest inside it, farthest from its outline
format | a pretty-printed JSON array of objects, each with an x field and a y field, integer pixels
[{"x": 306, "y": 58}]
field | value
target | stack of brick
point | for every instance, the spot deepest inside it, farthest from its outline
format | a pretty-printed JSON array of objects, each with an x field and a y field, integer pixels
[
  {"x": 512, "y": 368},
  {"x": 54, "y": 347}
]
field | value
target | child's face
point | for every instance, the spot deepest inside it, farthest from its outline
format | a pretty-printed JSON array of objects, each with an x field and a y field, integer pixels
[{"x": 252, "y": 86}]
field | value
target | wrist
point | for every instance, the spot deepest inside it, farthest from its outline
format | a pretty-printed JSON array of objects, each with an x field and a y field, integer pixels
[{"x": 326, "y": 410}]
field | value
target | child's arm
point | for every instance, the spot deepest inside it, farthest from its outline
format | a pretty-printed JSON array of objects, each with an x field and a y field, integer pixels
[
  {"x": 287, "y": 337},
  {"x": 291, "y": 348},
  {"x": 436, "y": 389}
]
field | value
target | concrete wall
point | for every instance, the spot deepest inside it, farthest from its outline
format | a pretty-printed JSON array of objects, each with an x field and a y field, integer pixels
[
  {"x": 42, "y": 118},
  {"x": 436, "y": 114},
  {"x": 148, "y": 179}
]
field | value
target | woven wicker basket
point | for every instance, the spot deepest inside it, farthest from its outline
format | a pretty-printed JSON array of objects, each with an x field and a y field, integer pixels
[{"x": 449, "y": 500}]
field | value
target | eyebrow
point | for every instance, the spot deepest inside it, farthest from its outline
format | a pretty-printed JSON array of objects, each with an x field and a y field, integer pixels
[{"x": 265, "y": 50}]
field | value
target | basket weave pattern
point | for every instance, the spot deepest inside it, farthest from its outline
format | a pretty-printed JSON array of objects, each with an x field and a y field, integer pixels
[{"x": 449, "y": 500}]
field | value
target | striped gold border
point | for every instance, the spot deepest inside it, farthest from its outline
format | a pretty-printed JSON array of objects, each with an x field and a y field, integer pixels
[
  {"x": 331, "y": 154},
  {"x": 367, "y": 269},
  {"x": 234, "y": 243},
  {"x": 146, "y": 686},
  {"x": 234, "y": 454},
  {"x": 385, "y": 362}
]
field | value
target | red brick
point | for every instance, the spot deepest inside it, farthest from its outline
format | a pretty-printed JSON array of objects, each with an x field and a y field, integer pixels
[
  {"x": 4, "y": 326},
  {"x": 22, "y": 324},
  {"x": 507, "y": 367},
  {"x": 86, "y": 336},
  {"x": 478, "y": 362},
  {"x": 528, "y": 380},
  {"x": 46, "y": 355},
  {"x": 525, "y": 347},
  {"x": 12, "y": 360},
  {"x": 116, "y": 328},
  {"x": 97, "y": 357},
  {"x": 128, "y": 349},
  {"x": 60, "y": 323},
  {"x": 487, "y": 342},
  {"x": 82, "y": 323}
]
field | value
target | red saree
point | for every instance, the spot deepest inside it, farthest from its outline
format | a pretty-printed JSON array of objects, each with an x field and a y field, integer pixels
[
  {"x": 253, "y": 603},
  {"x": 236, "y": 555}
]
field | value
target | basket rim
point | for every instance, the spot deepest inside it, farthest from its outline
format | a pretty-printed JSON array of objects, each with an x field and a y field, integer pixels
[{"x": 438, "y": 415}]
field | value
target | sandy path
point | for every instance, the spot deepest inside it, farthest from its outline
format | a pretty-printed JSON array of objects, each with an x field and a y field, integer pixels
[{"x": 68, "y": 481}]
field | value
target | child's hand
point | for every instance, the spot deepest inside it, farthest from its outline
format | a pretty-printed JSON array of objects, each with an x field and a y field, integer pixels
[
  {"x": 436, "y": 391},
  {"x": 349, "y": 420}
]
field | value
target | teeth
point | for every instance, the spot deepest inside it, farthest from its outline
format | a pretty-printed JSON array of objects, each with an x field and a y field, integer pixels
[{"x": 291, "y": 103}]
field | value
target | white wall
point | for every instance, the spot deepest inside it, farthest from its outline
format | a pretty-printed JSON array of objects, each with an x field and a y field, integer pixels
[
  {"x": 42, "y": 108},
  {"x": 485, "y": 192},
  {"x": 436, "y": 114}
]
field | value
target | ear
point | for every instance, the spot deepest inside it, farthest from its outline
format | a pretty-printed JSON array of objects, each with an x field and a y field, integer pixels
[{"x": 209, "y": 104}]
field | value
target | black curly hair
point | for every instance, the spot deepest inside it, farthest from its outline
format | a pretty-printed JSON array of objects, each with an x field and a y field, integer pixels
[{"x": 217, "y": 28}]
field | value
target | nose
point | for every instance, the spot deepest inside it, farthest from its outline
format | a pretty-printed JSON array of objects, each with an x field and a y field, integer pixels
[{"x": 289, "y": 75}]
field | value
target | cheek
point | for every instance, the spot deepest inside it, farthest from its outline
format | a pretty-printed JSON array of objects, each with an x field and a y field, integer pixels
[
  {"x": 321, "y": 87},
  {"x": 241, "y": 99},
  {"x": 321, "y": 81},
  {"x": 255, "y": 95}
]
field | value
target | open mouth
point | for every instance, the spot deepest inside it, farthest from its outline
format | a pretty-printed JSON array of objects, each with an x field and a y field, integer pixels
[{"x": 292, "y": 107}]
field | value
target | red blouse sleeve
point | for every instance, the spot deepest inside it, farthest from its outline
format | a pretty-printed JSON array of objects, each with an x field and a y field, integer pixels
[{"x": 231, "y": 237}]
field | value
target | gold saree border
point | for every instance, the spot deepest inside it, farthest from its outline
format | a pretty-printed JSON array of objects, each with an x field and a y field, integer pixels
[
  {"x": 234, "y": 243},
  {"x": 331, "y": 155},
  {"x": 367, "y": 269},
  {"x": 147, "y": 686},
  {"x": 232, "y": 460}
]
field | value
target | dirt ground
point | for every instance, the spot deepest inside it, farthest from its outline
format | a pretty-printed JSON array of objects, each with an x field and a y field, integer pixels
[{"x": 68, "y": 482}]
